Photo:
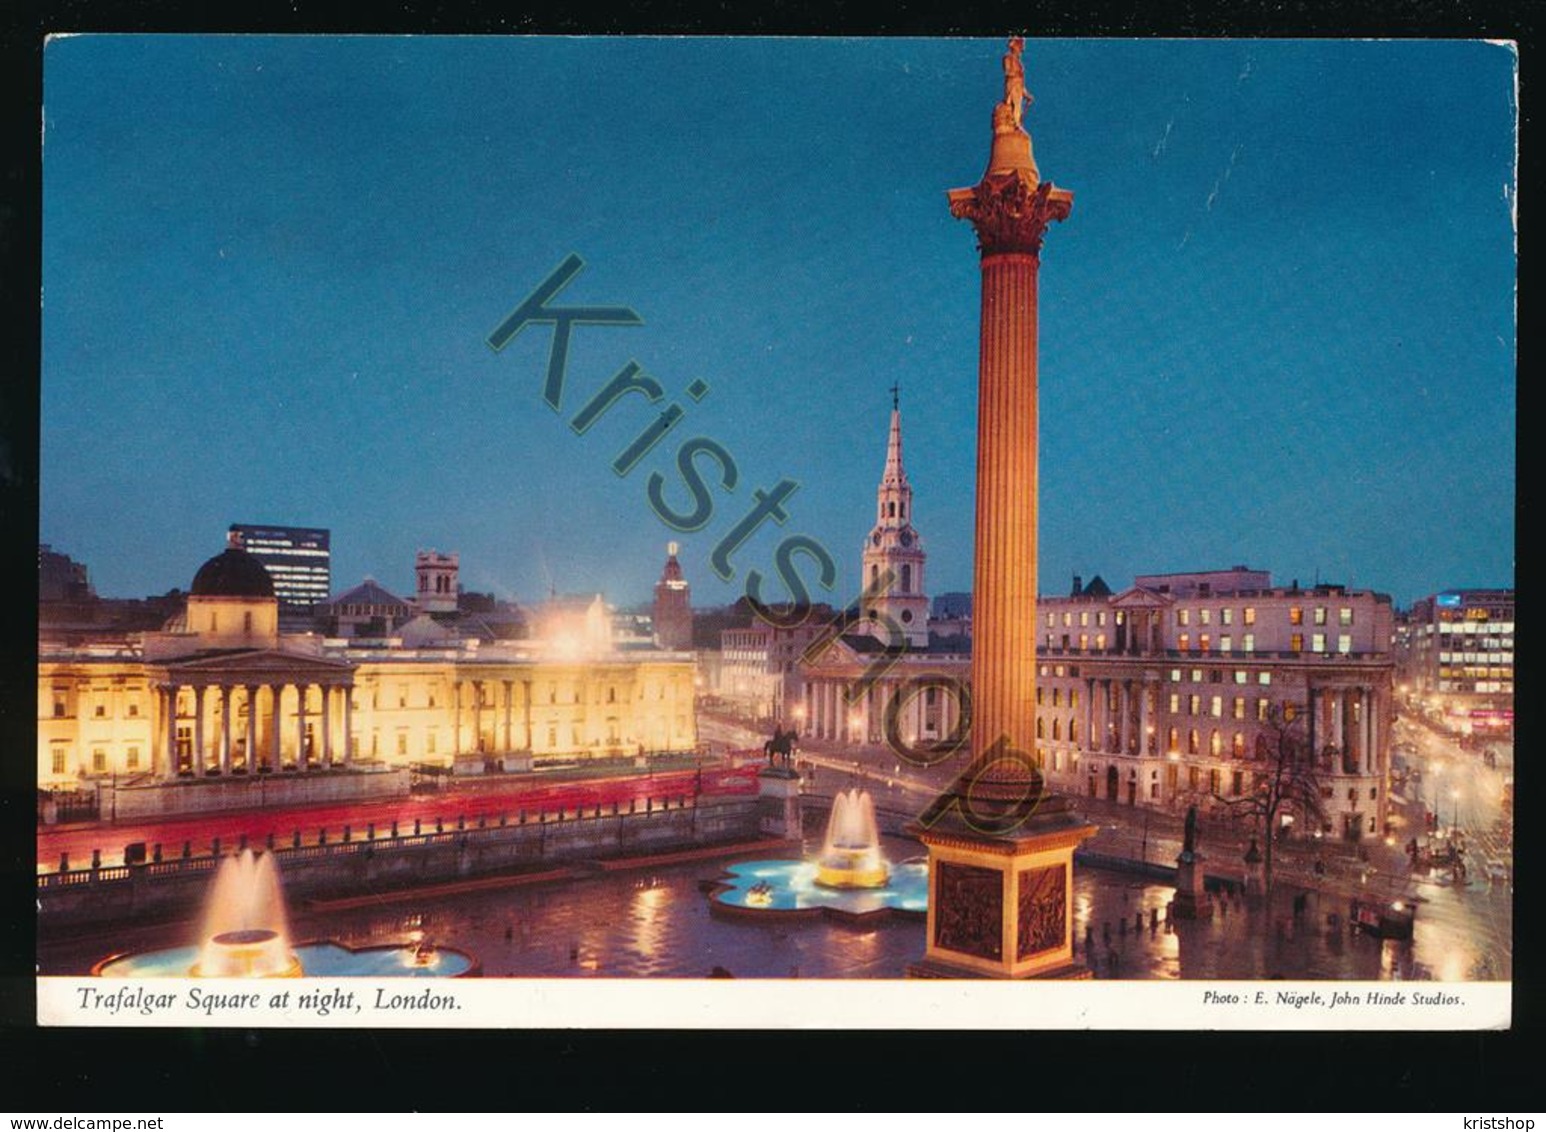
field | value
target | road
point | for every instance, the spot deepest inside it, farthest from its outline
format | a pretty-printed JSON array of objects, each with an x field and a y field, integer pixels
[{"x": 312, "y": 823}]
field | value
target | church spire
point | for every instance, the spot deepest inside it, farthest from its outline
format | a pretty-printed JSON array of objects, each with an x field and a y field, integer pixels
[
  {"x": 895, "y": 475},
  {"x": 893, "y": 553}
]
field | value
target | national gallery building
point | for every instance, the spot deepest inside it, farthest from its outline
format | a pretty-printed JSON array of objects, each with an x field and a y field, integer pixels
[{"x": 222, "y": 692}]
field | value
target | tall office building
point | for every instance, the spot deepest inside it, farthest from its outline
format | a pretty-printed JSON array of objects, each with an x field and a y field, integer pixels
[
  {"x": 1460, "y": 657},
  {"x": 296, "y": 558}
]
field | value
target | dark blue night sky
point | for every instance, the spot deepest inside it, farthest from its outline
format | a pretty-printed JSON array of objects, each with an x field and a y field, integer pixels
[{"x": 1278, "y": 329}]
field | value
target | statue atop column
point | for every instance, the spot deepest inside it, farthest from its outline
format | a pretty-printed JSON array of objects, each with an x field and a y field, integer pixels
[{"x": 1015, "y": 95}]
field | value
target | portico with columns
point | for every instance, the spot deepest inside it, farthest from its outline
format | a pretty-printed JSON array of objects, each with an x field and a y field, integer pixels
[{"x": 264, "y": 711}]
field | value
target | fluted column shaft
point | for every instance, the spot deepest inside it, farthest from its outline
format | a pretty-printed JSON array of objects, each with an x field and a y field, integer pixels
[{"x": 1004, "y": 574}]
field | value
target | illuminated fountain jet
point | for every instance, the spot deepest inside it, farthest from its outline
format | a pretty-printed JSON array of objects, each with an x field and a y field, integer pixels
[
  {"x": 851, "y": 857},
  {"x": 245, "y": 933}
]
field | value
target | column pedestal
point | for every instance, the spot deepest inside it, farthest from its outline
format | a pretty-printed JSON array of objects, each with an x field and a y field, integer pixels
[{"x": 1192, "y": 899}]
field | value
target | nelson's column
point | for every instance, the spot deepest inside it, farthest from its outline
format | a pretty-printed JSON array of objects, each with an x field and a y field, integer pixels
[{"x": 1000, "y": 847}]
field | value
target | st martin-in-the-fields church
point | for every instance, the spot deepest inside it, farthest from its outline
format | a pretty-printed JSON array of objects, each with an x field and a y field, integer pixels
[
  {"x": 886, "y": 672},
  {"x": 895, "y": 598}
]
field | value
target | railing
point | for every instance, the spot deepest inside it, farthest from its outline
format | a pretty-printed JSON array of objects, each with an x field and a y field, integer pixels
[{"x": 447, "y": 833}]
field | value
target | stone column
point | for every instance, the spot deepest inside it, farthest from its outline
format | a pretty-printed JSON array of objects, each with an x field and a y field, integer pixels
[
  {"x": 327, "y": 726},
  {"x": 251, "y": 755},
  {"x": 198, "y": 731},
  {"x": 456, "y": 717},
  {"x": 225, "y": 730},
  {"x": 509, "y": 743},
  {"x": 277, "y": 724},
  {"x": 348, "y": 691},
  {"x": 302, "y": 763},
  {"x": 1000, "y": 895},
  {"x": 477, "y": 715},
  {"x": 526, "y": 707},
  {"x": 169, "y": 727},
  {"x": 1146, "y": 692}
]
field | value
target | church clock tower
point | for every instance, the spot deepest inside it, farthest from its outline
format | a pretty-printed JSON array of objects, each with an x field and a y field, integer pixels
[{"x": 893, "y": 552}]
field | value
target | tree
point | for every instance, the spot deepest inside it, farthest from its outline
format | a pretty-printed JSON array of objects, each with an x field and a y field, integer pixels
[{"x": 1286, "y": 779}]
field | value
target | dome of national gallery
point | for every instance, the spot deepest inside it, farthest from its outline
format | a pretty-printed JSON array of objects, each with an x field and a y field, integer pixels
[{"x": 233, "y": 573}]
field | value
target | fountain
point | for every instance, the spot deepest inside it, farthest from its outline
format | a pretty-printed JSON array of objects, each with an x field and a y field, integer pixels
[
  {"x": 848, "y": 879},
  {"x": 851, "y": 856},
  {"x": 245, "y": 933}
]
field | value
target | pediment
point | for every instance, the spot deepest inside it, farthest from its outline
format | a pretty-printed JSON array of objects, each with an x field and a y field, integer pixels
[
  {"x": 1138, "y": 597},
  {"x": 233, "y": 664}
]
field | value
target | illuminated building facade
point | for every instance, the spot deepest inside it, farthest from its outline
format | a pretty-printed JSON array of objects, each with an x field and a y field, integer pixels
[
  {"x": 1460, "y": 654},
  {"x": 1165, "y": 695},
  {"x": 225, "y": 692},
  {"x": 672, "y": 614},
  {"x": 299, "y": 561}
]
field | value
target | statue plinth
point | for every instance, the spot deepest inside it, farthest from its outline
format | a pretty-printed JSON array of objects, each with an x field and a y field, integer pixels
[
  {"x": 1192, "y": 899},
  {"x": 1000, "y": 890}
]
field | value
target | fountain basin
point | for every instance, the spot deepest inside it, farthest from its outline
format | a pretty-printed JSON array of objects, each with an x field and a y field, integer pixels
[
  {"x": 852, "y": 868},
  {"x": 250, "y": 953},
  {"x": 772, "y": 890},
  {"x": 316, "y": 959}
]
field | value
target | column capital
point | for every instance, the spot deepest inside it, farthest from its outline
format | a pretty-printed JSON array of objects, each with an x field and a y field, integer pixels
[{"x": 1010, "y": 212}]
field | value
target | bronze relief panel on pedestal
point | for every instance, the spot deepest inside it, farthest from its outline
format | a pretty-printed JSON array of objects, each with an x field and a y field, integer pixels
[
  {"x": 969, "y": 914},
  {"x": 1043, "y": 898}
]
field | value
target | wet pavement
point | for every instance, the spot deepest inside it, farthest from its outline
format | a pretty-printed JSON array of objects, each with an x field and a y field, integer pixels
[{"x": 656, "y": 923}]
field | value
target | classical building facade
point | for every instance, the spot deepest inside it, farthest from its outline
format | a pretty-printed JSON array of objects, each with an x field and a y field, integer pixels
[
  {"x": 1179, "y": 691},
  {"x": 1160, "y": 697},
  {"x": 224, "y": 692}
]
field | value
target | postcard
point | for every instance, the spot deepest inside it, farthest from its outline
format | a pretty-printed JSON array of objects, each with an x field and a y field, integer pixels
[{"x": 783, "y": 532}]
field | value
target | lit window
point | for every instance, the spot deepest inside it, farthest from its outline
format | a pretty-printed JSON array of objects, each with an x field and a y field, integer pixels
[
  {"x": 1175, "y": 703},
  {"x": 1226, "y": 616},
  {"x": 1345, "y": 615},
  {"x": 1204, "y": 616},
  {"x": 1216, "y": 707},
  {"x": 58, "y": 760},
  {"x": 1226, "y": 643},
  {"x": 1248, "y": 642},
  {"x": 1345, "y": 643},
  {"x": 1202, "y": 641},
  {"x": 1183, "y": 617},
  {"x": 133, "y": 760},
  {"x": 1239, "y": 707},
  {"x": 1264, "y": 678},
  {"x": 1185, "y": 642},
  {"x": 1248, "y": 616},
  {"x": 1320, "y": 615},
  {"x": 1296, "y": 642},
  {"x": 98, "y": 760}
]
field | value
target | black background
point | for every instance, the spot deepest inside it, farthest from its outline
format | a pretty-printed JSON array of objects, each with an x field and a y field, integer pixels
[{"x": 157, "y": 1070}]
